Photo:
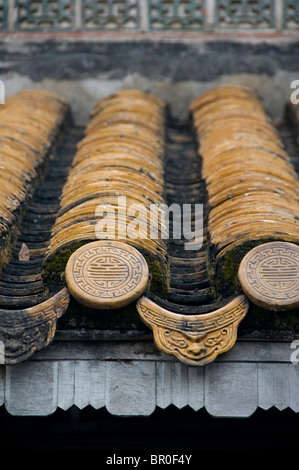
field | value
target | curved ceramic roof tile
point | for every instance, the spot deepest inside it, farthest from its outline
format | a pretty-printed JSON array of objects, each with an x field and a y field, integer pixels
[
  {"x": 252, "y": 185},
  {"x": 29, "y": 122},
  {"x": 117, "y": 175}
]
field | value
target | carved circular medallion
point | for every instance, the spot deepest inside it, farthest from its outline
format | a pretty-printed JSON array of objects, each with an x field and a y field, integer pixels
[
  {"x": 269, "y": 275},
  {"x": 106, "y": 274}
]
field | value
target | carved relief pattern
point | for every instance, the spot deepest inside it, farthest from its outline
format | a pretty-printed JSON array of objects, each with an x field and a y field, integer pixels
[
  {"x": 177, "y": 14},
  {"x": 107, "y": 272},
  {"x": 110, "y": 14},
  {"x": 3, "y": 14},
  {"x": 274, "y": 272},
  {"x": 291, "y": 14},
  {"x": 45, "y": 15},
  {"x": 24, "y": 332},
  {"x": 245, "y": 14},
  {"x": 147, "y": 15},
  {"x": 194, "y": 339}
]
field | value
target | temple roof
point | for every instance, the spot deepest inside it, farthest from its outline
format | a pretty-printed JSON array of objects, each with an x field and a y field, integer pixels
[
  {"x": 88, "y": 252},
  {"x": 77, "y": 251}
]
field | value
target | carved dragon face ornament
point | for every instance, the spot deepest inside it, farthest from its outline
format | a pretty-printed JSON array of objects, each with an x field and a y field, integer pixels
[
  {"x": 194, "y": 339},
  {"x": 36, "y": 327},
  {"x": 269, "y": 276}
]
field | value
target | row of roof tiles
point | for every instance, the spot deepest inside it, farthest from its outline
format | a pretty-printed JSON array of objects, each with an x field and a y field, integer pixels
[{"x": 252, "y": 198}]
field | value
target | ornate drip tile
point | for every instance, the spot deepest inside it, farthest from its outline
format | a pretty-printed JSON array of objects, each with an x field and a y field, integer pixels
[
  {"x": 177, "y": 14},
  {"x": 46, "y": 15},
  {"x": 194, "y": 339},
  {"x": 245, "y": 14},
  {"x": 26, "y": 331},
  {"x": 110, "y": 14},
  {"x": 291, "y": 14}
]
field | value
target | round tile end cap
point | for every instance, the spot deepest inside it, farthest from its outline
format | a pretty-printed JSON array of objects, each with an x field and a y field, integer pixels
[
  {"x": 105, "y": 275},
  {"x": 269, "y": 275}
]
